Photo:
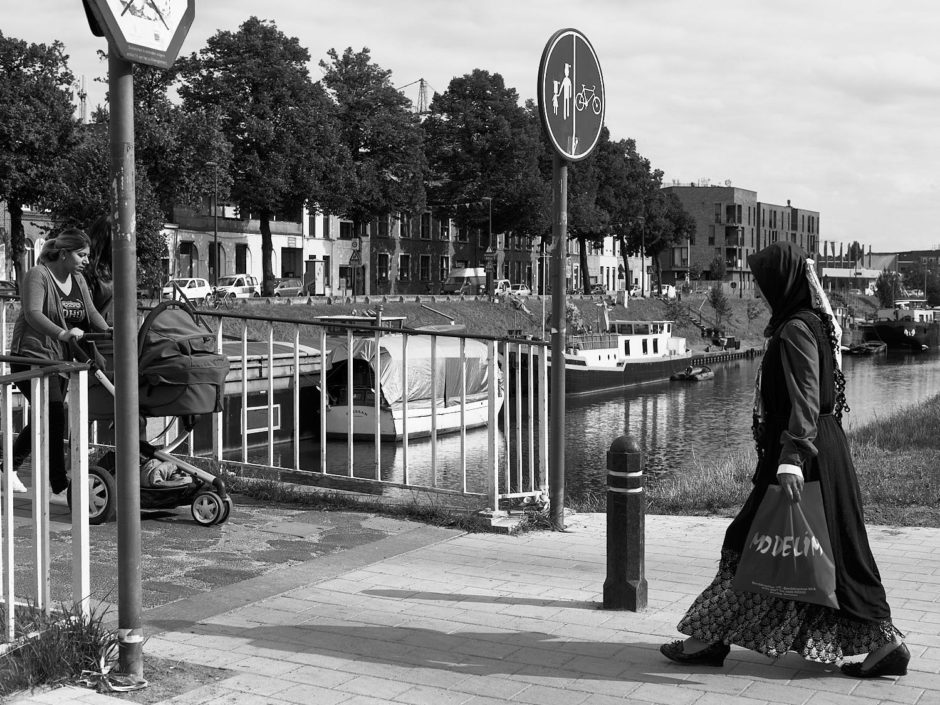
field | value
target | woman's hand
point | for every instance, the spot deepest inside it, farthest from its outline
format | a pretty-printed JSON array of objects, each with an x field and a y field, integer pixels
[
  {"x": 792, "y": 485},
  {"x": 71, "y": 334}
]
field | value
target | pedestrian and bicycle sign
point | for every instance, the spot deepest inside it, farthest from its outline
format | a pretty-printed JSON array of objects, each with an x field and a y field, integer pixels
[{"x": 571, "y": 94}]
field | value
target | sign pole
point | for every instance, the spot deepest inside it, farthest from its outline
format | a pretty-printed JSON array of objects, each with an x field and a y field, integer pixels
[
  {"x": 571, "y": 109},
  {"x": 126, "y": 413},
  {"x": 556, "y": 455}
]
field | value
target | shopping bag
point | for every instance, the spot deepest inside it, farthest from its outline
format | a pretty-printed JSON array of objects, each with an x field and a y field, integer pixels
[{"x": 789, "y": 554}]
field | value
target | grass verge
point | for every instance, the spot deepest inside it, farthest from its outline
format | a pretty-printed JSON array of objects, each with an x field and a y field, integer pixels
[
  {"x": 895, "y": 459},
  {"x": 55, "y": 648}
]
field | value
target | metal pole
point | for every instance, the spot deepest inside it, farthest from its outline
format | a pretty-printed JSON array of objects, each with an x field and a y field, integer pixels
[
  {"x": 126, "y": 410},
  {"x": 215, "y": 229},
  {"x": 643, "y": 259},
  {"x": 625, "y": 587},
  {"x": 556, "y": 469}
]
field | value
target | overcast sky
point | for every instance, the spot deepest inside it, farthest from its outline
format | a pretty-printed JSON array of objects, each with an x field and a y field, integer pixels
[{"x": 832, "y": 104}]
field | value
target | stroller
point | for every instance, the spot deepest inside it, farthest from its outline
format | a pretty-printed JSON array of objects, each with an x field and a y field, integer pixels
[{"x": 181, "y": 376}]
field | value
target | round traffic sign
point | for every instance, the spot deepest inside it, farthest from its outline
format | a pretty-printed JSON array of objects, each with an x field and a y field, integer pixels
[{"x": 571, "y": 94}]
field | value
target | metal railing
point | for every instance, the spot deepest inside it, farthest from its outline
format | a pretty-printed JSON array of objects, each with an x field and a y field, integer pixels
[
  {"x": 276, "y": 407},
  {"x": 39, "y": 591}
]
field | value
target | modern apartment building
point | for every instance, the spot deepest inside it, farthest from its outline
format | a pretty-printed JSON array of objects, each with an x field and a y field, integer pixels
[{"x": 731, "y": 223}]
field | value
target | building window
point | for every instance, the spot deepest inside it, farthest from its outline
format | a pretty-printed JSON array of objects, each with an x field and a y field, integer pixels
[
  {"x": 717, "y": 212},
  {"x": 345, "y": 230},
  {"x": 381, "y": 267},
  {"x": 463, "y": 234},
  {"x": 425, "y": 226},
  {"x": 326, "y": 226},
  {"x": 424, "y": 268},
  {"x": 404, "y": 227},
  {"x": 383, "y": 226},
  {"x": 445, "y": 229},
  {"x": 404, "y": 268},
  {"x": 711, "y": 234},
  {"x": 444, "y": 268}
]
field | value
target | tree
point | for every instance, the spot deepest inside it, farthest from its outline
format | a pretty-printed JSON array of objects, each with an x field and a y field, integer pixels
[
  {"x": 718, "y": 269},
  {"x": 717, "y": 299},
  {"x": 886, "y": 288},
  {"x": 36, "y": 128},
  {"x": 480, "y": 143},
  {"x": 382, "y": 136},
  {"x": 81, "y": 198},
  {"x": 282, "y": 127},
  {"x": 755, "y": 309}
]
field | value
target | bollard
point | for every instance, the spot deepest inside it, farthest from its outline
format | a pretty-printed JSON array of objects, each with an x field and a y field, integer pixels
[{"x": 625, "y": 587}]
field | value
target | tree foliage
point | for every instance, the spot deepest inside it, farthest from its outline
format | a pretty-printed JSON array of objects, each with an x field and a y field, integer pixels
[
  {"x": 282, "y": 127},
  {"x": 719, "y": 302},
  {"x": 36, "y": 128},
  {"x": 887, "y": 287},
  {"x": 482, "y": 144},
  {"x": 382, "y": 136}
]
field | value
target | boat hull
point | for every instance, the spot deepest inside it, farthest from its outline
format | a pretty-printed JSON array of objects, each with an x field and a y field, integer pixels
[
  {"x": 914, "y": 336},
  {"x": 582, "y": 379},
  {"x": 447, "y": 419}
]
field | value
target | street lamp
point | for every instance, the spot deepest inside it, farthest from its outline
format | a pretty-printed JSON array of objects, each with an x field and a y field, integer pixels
[
  {"x": 215, "y": 224},
  {"x": 489, "y": 257}
]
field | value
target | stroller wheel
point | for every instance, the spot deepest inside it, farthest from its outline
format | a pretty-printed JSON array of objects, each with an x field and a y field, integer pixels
[
  {"x": 208, "y": 508},
  {"x": 102, "y": 501},
  {"x": 227, "y": 509}
]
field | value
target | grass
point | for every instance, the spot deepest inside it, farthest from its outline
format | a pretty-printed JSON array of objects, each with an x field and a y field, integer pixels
[
  {"x": 895, "y": 459},
  {"x": 55, "y": 648}
]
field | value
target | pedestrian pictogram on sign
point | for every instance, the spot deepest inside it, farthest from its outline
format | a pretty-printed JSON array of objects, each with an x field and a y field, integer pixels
[{"x": 571, "y": 94}]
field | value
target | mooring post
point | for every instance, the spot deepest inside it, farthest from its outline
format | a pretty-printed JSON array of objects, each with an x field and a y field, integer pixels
[{"x": 625, "y": 587}]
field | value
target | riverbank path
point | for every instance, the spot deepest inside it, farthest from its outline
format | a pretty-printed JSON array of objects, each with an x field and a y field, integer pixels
[{"x": 431, "y": 615}]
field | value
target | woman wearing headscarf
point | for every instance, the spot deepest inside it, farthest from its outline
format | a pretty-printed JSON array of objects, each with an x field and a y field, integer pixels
[
  {"x": 799, "y": 400},
  {"x": 57, "y": 308}
]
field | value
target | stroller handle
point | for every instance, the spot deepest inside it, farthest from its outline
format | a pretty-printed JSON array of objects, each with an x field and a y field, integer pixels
[{"x": 99, "y": 335}]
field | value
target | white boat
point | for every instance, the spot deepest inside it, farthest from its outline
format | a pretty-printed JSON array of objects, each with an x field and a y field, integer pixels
[{"x": 428, "y": 367}]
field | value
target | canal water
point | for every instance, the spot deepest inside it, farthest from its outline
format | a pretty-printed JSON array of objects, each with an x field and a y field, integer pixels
[
  {"x": 680, "y": 426},
  {"x": 683, "y": 425}
]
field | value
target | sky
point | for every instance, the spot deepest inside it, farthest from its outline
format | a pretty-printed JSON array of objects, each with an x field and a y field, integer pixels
[{"x": 833, "y": 105}]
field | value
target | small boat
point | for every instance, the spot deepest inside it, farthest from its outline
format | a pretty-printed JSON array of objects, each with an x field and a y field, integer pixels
[
  {"x": 426, "y": 384},
  {"x": 872, "y": 347},
  {"x": 692, "y": 373}
]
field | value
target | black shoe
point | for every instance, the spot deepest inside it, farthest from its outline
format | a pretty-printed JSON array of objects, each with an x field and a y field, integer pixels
[
  {"x": 711, "y": 655},
  {"x": 894, "y": 663}
]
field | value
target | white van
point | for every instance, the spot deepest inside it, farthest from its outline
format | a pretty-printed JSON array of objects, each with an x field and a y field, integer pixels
[
  {"x": 465, "y": 280},
  {"x": 241, "y": 286}
]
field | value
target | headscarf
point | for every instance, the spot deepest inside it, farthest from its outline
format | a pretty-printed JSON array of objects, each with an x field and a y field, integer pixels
[
  {"x": 788, "y": 280},
  {"x": 780, "y": 272}
]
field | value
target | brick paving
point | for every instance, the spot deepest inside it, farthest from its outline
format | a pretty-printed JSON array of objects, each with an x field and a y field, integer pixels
[{"x": 480, "y": 619}]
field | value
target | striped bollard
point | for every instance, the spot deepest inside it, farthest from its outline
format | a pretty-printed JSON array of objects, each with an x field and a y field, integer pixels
[{"x": 625, "y": 587}]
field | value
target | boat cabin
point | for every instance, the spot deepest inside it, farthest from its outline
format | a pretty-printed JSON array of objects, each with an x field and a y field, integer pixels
[
  {"x": 361, "y": 325},
  {"x": 916, "y": 310}
]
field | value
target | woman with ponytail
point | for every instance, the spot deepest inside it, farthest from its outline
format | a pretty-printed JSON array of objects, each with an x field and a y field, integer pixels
[{"x": 56, "y": 309}]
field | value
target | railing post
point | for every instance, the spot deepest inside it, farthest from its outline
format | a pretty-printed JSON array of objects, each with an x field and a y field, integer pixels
[{"x": 625, "y": 586}]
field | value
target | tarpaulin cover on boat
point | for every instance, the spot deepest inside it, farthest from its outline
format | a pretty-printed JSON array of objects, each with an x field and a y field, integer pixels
[{"x": 418, "y": 356}]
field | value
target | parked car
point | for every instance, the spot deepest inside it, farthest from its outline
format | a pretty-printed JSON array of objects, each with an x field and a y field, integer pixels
[
  {"x": 520, "y": 290},
  {"x": 241, "y": 286},
  {"x": 598, "y": 289},
  {"x": 194, "y": 288},
  {"x": 289, "y": 287},
  {"x": 501, "y": 287},
  {"x": 7, "y": 288},
  {"x": 635, "y": 290}
]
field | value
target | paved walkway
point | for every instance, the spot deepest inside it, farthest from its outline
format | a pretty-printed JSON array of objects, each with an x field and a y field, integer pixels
[{"x": 433, "y": 616}]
